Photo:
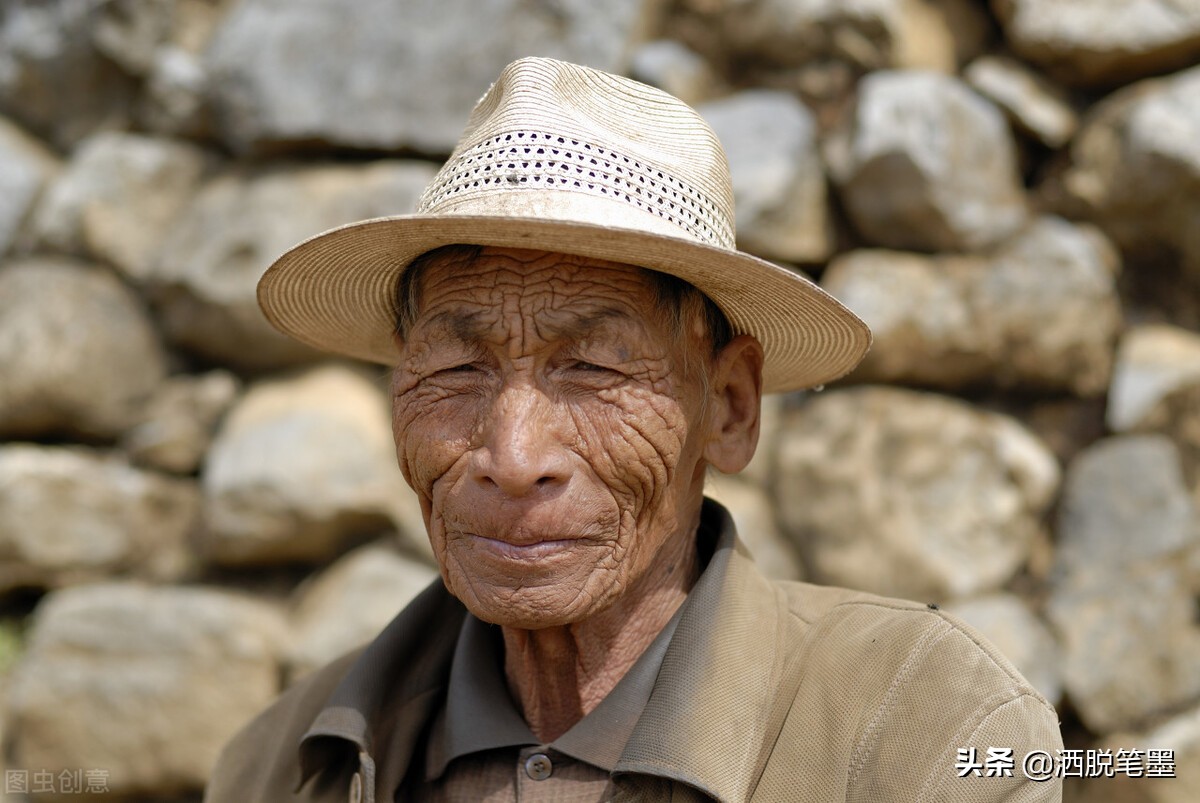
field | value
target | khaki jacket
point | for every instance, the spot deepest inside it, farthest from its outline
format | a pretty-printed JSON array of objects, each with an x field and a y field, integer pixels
[{"x": 767, "y": 692}]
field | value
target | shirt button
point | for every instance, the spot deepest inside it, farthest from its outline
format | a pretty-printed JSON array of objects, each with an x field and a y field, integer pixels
[{"x": 538, "y": 766}]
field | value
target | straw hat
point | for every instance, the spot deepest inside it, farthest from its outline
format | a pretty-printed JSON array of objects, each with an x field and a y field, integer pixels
[{"x": 564, "y": 158}]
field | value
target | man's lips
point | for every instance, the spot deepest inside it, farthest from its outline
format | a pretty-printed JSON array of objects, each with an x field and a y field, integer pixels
[{"x": 523, "y": 547}]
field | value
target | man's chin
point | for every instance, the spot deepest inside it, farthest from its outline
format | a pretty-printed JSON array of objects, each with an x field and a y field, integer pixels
[{"x": 531, "y": 608}]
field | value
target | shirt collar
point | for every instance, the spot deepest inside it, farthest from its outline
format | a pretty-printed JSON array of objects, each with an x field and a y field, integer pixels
[
  {"x": 480, "y": 714},
  {"x": 702, "y": 724}
]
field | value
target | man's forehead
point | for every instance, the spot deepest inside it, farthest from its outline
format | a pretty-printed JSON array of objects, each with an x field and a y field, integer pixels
[{"x": 572, "y": 295}]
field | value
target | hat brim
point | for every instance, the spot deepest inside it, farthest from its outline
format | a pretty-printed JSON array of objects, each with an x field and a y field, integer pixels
[{"x": 337, "y": 290}]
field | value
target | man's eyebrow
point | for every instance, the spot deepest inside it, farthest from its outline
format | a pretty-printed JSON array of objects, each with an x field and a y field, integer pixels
[
  {"x": 579, "y": 327},
  {"x": 466, "y": 326},
  {"x": 471, "y": 326}
]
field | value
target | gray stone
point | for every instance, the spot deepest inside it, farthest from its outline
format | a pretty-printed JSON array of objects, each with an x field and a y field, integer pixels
[
  {"x": 1122, "y": 597},
  {"x": 755, "y": 520},
  {"x": 146, "y": 683},
  {"x": 205, "y": 283},
  {"x": 1050, "y": 302},
  {"x": 79, "y": 353},
  {"x": 865, "y": 34},
  {"x": 348, "y": 604},
  {"x": 1006, "y": 621},
  {"x": 378, "y": 74},
  {"x": 926, "y": 164},
  {"x": 675, "y": 69},
  {"x": 1033, "y": 104},
  {"x": 46, "y": 50},
  {"x": 919, "y": 310},
  {"x": 1102, "y": 43},
  {"x": 1041, "y": 312},
  {"x": 26, "y": 167},
  {"x": 162, "y": 42},
  {"x": 118, "y": 197},
  {"x": 302, "y": 467},
  {"x": 779, "y": 189},
  {"x": 1135, "y": 169},
  {"x": 910, "y": 494},
  {"x": 1153, "y": 361},
  {"x": 176, "y": 426},
  {"x": 69, "y": 516}
]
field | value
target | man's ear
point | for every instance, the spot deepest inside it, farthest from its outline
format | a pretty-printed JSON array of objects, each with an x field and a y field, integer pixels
[{"x": 735, "y": 397}]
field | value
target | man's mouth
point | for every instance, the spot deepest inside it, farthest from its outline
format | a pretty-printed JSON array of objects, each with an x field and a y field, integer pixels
[{"x": 522, "y": 547}]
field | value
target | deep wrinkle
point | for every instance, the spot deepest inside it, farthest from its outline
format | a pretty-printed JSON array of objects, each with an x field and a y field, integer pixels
[{"x": 557, "y": 435}]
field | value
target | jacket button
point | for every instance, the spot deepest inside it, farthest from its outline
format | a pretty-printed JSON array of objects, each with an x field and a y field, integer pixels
[
  {"x": 356, "y": 788},
  {"x": 538, "y": 766}
]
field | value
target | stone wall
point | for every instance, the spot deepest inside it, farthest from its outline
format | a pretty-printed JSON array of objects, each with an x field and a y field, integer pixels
[{"x": 195, "y": 511}]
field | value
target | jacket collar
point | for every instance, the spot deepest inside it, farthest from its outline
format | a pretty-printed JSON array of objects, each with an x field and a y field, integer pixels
[
  {"x": 709, "y": 713},
  {"x": 704, "y": 723},
  {"x": 390, "y": 691}
]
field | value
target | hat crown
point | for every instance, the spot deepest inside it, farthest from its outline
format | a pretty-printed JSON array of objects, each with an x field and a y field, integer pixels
[{"x": 554, "y": 138}]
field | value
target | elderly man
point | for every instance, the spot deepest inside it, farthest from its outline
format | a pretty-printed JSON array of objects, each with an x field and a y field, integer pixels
[{"x": 575, "y": 342}]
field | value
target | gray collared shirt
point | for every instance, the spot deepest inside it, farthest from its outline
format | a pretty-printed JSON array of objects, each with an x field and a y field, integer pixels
[{"x": 480, "y": 747}]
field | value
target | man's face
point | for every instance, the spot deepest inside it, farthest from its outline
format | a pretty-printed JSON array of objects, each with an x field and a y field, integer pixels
[{"x": 542, "y": 413}]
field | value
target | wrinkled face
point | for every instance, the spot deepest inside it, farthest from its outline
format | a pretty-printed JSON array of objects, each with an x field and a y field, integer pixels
[{"x": 542, "y": 413}]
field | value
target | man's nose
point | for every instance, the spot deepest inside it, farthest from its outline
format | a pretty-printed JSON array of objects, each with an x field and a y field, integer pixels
[{"x": 522, "y": 449}]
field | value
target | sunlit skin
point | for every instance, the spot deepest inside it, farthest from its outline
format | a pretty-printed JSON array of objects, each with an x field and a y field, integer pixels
[{"x": 557, "y": 434}]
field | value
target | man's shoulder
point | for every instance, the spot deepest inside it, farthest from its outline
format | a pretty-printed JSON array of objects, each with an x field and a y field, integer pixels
[
  {"x": 900, "y": 687},
  {"x": 264, "y": 755},
  {"x": 334, "y": 706},
  {"x": 858, "y": 623}
]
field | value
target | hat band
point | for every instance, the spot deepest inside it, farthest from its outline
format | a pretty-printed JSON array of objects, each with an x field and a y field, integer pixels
[{"x": 519, "y": 160}]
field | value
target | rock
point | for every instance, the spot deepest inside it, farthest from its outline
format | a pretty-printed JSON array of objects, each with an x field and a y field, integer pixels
[
  {"x": 206, "y": 281},
  {"x": 80, "y": 355},
  {"x": 1041, "y": 312},
  {"x": 1091, "y": 43},
  {"x": 1052, "y": 294},
  {"x": 118, "y": 197},
  {"x": 1134, "y": 170},
  {"x": 1181, "y": 735},
  {"x": 1177, "y": 416},
  {"x": 919, "y": 310},
  {"x": 779, "y": 191},
  {"x": 26, "y": 167},
  {"x": 302, "y": 467},
  {"x": 674, "y": 68},
  {"x": 177, "y": 424},
  {"x": 69, "y": 516},
  {"x": 163, "y": 44},
  {"x": 866, "y": 34},
  {"x": 45, "y": 49},
  {"x": 146, "y": 683},
  {"x": 1153, "y": 361},
  {"x": 910, "y": 494},
  {"x": 380, "y": 75},
  {"x": 348, "y": 604},
  {"x": 1033, "y": 104},
  {"x": 1122, "y": 597},
  {"x": 1021, "y": 636},
  {"x": 756, "y": 526},
  {"x": 926, "y": 164}
]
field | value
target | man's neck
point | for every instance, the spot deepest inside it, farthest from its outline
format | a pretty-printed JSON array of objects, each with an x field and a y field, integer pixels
[{"x": 557, "y": 675}]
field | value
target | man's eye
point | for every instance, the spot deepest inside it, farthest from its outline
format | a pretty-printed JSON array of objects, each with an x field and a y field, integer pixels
[
  {"x": 589, "y": 366},
  {"x": 465, "y": 368}
]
